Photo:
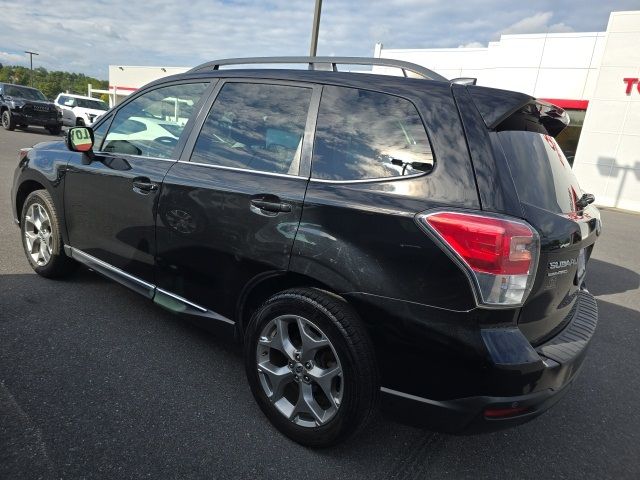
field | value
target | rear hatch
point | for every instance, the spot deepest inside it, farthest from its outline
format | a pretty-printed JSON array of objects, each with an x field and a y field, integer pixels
[
  {"x": 523, "y": 131},
  {"x": 550, "y": 198}
]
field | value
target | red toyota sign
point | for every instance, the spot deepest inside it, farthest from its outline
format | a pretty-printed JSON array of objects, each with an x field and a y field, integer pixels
[{"x": 630, "y": 83}]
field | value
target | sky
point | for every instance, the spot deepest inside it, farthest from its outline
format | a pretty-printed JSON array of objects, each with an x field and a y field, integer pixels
[{"x": 87, "y": 36}]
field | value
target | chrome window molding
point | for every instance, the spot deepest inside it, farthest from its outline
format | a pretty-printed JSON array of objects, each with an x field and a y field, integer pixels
[
  {"x": 371, "y": 180},
  {"x": 128, "y": 155},
  {"x": 248, "y": 170}
]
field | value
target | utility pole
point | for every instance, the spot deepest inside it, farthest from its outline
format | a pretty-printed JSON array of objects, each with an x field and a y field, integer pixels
[
  {"x": 31, "y": 54},
  {"x": 316, "y": 27}
]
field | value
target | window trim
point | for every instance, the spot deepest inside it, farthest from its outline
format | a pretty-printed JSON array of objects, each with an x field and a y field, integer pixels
[
  {"x": 308, "y": 139},
  {"x": 110, "y": 115},
  {"x": 377, "y": 179},
  {"x": 248, "y": 170}
]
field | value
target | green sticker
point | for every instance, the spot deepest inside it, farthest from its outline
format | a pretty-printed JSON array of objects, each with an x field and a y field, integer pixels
[{"x": 81, "y": 139}]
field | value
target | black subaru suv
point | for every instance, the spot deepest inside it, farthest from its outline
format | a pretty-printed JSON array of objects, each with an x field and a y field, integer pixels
[
  {"x": 23, "y": 106},
  {"x": 410, "y": 241}
]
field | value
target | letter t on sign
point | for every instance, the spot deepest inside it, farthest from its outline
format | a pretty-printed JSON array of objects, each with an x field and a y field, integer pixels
[{"x": 630, "y": 83}]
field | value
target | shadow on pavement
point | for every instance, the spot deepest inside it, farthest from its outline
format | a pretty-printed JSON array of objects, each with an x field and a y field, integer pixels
[
  {"x": 39, "y": 131},
  {"x": 96, "y": 379},
  {"x": 605, "y": 278}
]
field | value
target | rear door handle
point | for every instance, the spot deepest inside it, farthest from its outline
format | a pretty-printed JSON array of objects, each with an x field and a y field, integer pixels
[
  {"x": 144, "y": 185},
  {"x": 272, "y": 207}
]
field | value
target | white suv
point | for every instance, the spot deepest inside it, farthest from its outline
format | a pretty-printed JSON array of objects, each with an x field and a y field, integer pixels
[{"x": 79, "y": 110}]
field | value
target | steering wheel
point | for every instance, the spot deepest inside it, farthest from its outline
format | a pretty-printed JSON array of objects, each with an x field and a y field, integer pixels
[{"x": 166, "y": 141}]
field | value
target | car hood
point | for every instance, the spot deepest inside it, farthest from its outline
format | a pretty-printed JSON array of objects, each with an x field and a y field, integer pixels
[{"x": 31, "y": 102}]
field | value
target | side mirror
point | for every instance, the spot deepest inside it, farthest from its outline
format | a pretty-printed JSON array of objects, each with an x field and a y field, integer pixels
[{"x": 79, "y": 139}]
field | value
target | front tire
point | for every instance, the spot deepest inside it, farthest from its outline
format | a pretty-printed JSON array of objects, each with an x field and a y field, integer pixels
[
  {"x": 8, "y": 122},
  {"x": 42, "y": 238},
  {"x": 311, "y": 366},
  {"x": 55, "y": 130}
]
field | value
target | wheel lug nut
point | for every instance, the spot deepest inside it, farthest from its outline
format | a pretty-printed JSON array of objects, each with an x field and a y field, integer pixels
[
  {"x": 297, "y": 356},
  {"x": 296, "y": 378},
  {"x": 308, "y": 365},
  {"x": 306, "y": 378}
]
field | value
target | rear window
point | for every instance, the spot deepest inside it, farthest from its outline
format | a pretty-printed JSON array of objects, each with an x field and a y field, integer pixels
[
  {"x": 540, "y": 171},
  {"x": 364, "y": 135}
]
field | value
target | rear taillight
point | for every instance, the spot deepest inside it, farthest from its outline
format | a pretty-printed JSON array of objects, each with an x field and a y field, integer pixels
[{"x": 500, "y": 254}]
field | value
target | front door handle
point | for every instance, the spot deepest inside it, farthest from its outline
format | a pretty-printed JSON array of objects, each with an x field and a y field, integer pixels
[
  {"x": 271, "y": 207},
  {"x": 144, "y": 185}
]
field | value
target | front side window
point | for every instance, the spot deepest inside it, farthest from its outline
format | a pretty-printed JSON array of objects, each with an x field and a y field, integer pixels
[
  {"x": 92, "y": 104},
  {"x": 255, "y": 126},
  {"x": 98, "y": 134},
  {"x": 152, "y": 124},
  {"x": 364, "y": 135}
]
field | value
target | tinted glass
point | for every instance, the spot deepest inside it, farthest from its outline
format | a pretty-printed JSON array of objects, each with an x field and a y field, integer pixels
[
  {"x": 152, "y": 124},
  {"x": 93, "y": 104},
  {"x": 540, "y": 171},
  {"x": 255, "y": 126},
  {"x": 568, "y": 138},
  {"x": 362, "y": 135},
  {"x": 98, "y": 134},
  {"x": 24, "y": 92}
]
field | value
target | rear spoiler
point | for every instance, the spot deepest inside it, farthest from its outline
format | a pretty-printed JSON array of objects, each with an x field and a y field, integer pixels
[{"x": 507, "y": 110}]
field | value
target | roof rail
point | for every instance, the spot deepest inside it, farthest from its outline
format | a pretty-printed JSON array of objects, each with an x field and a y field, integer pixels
[{"x": 331, "y": 62}]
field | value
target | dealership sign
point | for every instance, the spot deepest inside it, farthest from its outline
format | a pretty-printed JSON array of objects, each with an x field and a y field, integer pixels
[{"x": 630, "y": 83}]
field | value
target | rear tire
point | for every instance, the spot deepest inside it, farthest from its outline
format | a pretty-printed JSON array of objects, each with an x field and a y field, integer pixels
[
  {"x": 55, "y": 130},
  {"x": 42, "y": 238},
  {"x": 319, "y": 386},
  {"x": 8, "y": 122}
]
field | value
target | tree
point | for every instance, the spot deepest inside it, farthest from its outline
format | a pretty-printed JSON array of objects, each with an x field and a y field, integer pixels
[{"x": 51, "y": 83}]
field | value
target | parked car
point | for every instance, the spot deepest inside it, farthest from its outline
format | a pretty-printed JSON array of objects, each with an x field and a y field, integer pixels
[
  {"x": 79, "y": 110},
  {"x": 411, "y": 242},
  {"x": 22, "y": 106}
]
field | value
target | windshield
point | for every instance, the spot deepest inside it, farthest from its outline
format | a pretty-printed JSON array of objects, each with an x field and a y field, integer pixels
[
  {"x": 24, "y": 92},
  {"x": 93, "y": 104}
]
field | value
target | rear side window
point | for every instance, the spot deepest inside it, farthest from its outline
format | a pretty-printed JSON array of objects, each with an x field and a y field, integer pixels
[
  {"x": 255, "y": 126},
  {"x": 364, "y": 135},
  {"x": 540, "y": 171}
]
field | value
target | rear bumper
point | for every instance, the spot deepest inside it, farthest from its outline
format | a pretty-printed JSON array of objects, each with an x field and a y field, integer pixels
[{"x": 549, "y": 369}]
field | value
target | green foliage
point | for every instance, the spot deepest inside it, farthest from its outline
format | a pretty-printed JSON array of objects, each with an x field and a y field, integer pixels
[{"x": 51, "y": 83}]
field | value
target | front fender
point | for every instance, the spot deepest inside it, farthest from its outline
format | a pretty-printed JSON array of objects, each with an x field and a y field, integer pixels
[{"x": 44, "y": 166}]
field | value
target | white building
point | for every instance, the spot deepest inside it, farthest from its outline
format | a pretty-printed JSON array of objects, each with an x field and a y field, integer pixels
[
  {"x": 125, "y": 79},
  {"x": 595, "y": 72}
]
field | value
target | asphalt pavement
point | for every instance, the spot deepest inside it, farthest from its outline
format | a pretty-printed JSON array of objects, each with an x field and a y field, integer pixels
[{"x": 98, "y": 382}]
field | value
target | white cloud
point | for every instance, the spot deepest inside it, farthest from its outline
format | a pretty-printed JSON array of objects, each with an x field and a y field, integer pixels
[
  {"x": 537, "y": 23},
  {"x": 88, "y": 37},
  {"x": 7, "y": 58}
]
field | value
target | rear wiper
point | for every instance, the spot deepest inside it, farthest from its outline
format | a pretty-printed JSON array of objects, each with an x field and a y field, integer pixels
[{"x": 585, "y": 200}]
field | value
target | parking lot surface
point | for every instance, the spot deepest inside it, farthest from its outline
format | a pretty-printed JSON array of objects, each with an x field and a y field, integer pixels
[{"x": 98, "y": 382}]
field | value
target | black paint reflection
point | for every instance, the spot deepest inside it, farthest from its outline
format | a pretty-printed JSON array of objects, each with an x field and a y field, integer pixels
[
  {"x": 255, "y": 126},
  {"x": 363, "y": 134}
]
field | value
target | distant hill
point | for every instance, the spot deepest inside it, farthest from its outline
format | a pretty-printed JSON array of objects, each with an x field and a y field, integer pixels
[{"x": 51, "y": 83}]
